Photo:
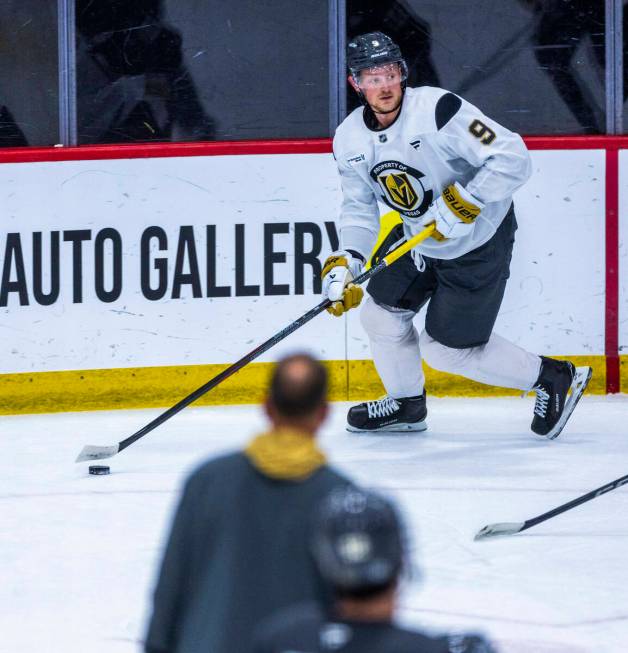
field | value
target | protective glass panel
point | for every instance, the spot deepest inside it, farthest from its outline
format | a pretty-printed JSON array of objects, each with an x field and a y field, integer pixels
[
  {"x": 536, "y": 66},
  {"x": 29, "y": 98},
  {"x": 625, "y": 68},
  {"x": 153, "y": 70}
]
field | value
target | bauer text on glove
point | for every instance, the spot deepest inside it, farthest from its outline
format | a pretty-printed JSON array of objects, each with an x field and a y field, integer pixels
[
  {"x": 339, "y": 270},
  {"x": 454, "y": 212}
]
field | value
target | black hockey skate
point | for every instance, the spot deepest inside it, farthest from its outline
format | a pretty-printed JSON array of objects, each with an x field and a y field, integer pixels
[
  {"x": 388, "y": 414},
  {"x": 558, "y": 389}
]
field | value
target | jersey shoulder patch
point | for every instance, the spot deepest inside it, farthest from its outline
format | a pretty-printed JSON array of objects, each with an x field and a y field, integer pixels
[
  {"x": 447, "y": 107},
  {"x": 421, "y": 109}
]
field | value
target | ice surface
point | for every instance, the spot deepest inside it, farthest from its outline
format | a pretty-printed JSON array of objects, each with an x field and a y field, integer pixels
[{"x": 78, "y": 553}]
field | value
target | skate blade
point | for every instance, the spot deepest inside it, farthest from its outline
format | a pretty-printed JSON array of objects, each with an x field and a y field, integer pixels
[
  {"x": 415, "y": 427},
  {"x": 578, "y": 386}
]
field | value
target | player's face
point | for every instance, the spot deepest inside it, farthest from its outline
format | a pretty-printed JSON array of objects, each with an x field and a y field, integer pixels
[{"x": 381, "y": 87}]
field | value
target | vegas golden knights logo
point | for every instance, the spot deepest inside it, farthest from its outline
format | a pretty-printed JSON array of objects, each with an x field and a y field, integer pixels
[{"x": 400, "y": 190}]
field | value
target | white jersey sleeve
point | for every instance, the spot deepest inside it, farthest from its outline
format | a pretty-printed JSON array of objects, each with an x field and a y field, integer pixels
[
  {"x": 501, "y": 155},
  {"x": 359, "y": 213}
]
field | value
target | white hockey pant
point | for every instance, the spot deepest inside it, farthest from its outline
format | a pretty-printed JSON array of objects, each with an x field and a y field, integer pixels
[{"x": 396, "y": 349}]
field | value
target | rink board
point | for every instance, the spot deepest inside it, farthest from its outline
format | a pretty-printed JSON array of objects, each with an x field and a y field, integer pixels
[{"x": 129, "y": 282}]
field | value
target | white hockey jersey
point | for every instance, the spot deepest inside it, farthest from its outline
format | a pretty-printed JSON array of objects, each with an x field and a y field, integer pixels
[{"x": 437, "y": 139}]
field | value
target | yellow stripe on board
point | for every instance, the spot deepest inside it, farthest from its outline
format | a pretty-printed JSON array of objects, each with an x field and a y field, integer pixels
[
  {"x": 365, "y": 384},
  {"x": 139, "y": 387},
  {"x": 623, "y": 373},
  {"x": 144, "y": 387}
]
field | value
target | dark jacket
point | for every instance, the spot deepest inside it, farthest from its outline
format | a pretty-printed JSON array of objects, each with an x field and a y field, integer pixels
[
  {"x": 307, "y": 627},
  {"x": 237, "y": 552}
]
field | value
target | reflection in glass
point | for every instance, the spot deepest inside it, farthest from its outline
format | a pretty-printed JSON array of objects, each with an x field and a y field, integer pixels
[
  {"x": 132, "y": 82},
  {"x": 29, "y": 103},
  {"x": 536, "y": 66},
  {"x": 561, "y": 30},
  {"x": 162, "y": 70}
]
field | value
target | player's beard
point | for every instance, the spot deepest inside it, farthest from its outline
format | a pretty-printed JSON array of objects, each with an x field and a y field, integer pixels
[{"x": 377, "y": 107}]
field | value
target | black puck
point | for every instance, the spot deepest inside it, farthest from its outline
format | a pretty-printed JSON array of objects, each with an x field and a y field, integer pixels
[{"x": 99, "y": 470}]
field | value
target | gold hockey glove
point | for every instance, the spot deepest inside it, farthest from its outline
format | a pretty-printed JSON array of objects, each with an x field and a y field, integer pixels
[
  {"x": 339, "y": 270},
  {"x": 454, "y": 212}
]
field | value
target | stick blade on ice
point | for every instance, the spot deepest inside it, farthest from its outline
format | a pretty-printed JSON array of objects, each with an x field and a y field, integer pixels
[
  {"x": 496, "y": 530},
  {"x": 92, "y": 452}
]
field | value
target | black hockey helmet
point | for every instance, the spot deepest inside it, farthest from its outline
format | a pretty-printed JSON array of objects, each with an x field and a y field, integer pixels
[
  {"x": 358, "y": 541},
  {"x": 373, "y": 49}
]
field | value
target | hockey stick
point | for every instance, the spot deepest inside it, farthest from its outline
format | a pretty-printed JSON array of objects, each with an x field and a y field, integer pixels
[
  {"x": 510, "y": 528},
  {"x": 92, "y": 452}
]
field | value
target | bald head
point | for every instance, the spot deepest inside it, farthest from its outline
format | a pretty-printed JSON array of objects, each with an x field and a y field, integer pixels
[{"x": 298, "y": 387}]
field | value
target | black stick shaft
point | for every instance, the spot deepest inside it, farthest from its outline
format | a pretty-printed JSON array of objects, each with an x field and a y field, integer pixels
[
  {"x": 239, "y": 364},
  {"x": 613, "y": 485}
]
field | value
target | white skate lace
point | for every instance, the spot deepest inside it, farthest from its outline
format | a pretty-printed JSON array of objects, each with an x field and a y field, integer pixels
[
  {"x": 542, "y": 399},
  {"x": 382, "y": 407}
]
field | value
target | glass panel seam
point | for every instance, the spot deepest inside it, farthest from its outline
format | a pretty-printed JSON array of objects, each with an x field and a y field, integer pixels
[
  {"x": 618, "y": 66},
  {"x": 67, "y": 72},
  {"x": 337, "y": 38}
]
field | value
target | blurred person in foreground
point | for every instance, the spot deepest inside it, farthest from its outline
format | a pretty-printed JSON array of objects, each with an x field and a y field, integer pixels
[
  {"x": 359, "y": 546},
  {"x": 238, "y": 549}
]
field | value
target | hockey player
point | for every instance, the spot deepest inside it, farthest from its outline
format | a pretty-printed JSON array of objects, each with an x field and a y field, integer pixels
[
  {"x": 359, "y": 549},
  {"x": 434, "y": 158}
]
